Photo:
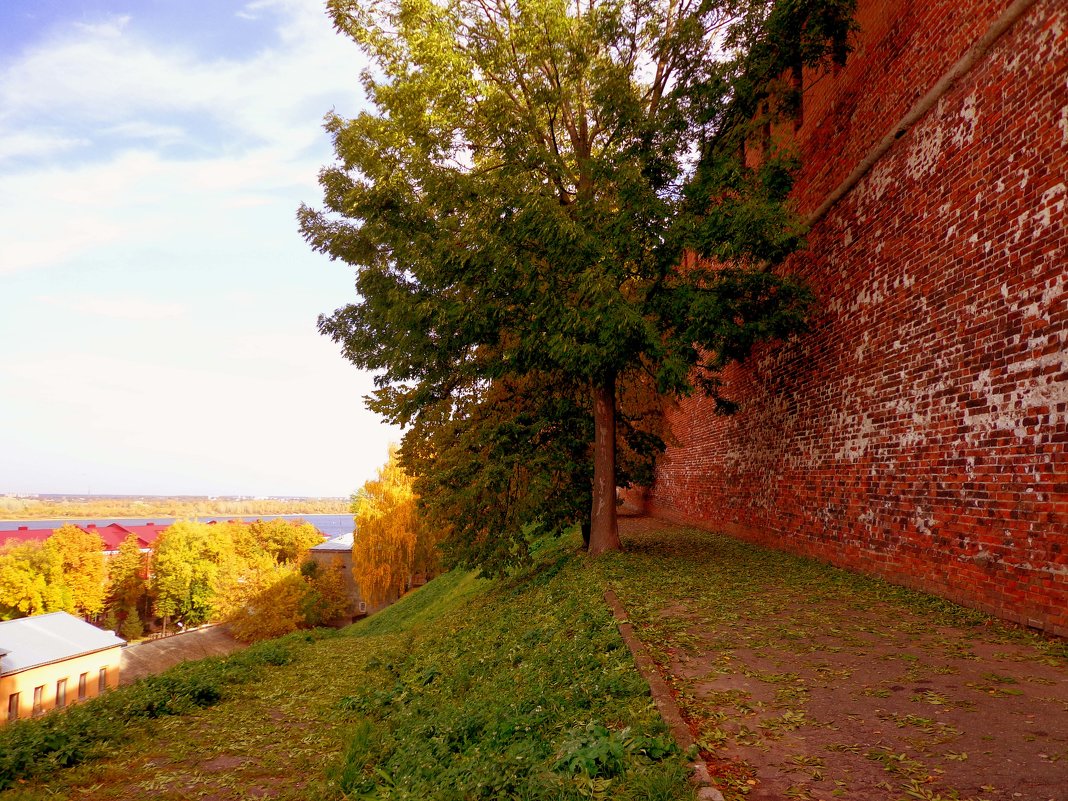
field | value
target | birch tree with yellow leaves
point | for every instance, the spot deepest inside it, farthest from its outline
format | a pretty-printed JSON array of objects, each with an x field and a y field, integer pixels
[{"x": 391, "y": 542}]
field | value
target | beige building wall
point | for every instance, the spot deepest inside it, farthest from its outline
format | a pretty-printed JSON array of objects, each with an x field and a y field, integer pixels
[{"x": 47, "y": 677}]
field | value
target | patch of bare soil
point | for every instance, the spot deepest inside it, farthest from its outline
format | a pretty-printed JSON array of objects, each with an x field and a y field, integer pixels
[{"x": 799, "y": 685}]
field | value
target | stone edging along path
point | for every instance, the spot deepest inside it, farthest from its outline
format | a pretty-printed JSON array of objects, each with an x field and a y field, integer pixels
[{"x": 662, "y": 697}]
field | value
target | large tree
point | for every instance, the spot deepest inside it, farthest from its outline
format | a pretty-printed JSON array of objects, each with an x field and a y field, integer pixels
[{"x": 520, "y": 199}]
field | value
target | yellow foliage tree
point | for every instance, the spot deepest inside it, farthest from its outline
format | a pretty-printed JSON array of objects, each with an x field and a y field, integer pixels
[
  {"x": 31, "y": 581},
  {"x": 327, "y": 598},
  {"x": 81, "y": 554},
  {"x": 273, "y": 611},
  {"x": 391, "y": 541}
]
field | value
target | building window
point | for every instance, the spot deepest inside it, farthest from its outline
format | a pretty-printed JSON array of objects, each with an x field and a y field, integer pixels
[
  {"x": 13, "y": 706},
  {"x": 102, "y": 683},
  {"x": 81, "y": 686},
  {"x": 38, "y": 701},
  {"x": 61, "y": 693}
]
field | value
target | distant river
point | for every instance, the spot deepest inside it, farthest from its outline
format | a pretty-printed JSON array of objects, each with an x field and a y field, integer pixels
[{"x": 330, "y": 525}]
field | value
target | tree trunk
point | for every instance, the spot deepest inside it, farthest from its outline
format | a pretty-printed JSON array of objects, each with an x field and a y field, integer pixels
[{"x": 604, "y": 533}]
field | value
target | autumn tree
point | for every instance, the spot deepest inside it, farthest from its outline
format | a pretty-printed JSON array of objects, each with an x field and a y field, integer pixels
[
  {"x": 390, "y": 537},
  {"x": 326, "y": 597},
  {"x": 518, "y": 204},
  {"x": 81, "y": 556},
  {"x": 185, "y": 566},
  {"x": 127, "y": 583},
  {"x": 274, "y": 610},
  {"x": 32, "y": 581},
  {"x": 285, "y": 540}
]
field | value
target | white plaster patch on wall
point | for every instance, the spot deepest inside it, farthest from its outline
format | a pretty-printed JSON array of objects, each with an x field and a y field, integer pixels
[
  {"x": 919, "y": 410},
  {"x": 855, "y": 444},
  {"x": 922, "y": 519},
  {"x": 871, "y": 190},
  {"x": 1054, "y": 292},
  {"x": 861, "y": 351},
  {"x": 869, "y": 296},
  {"x": 964, "y": 132},
  {"x": 926, "y": 146},
  {"x": 1005, "y": 411},
  {"x": 1052, "y": 200},
  {"x": 759, "y": 441}
]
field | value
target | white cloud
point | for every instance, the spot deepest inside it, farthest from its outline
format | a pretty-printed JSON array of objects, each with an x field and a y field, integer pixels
[
  {"x": 110, "y": 85},
  {"x": 108, "y": 75},
  {"x": 139, "y": 129},
  {"x": 194, "y": 228},
  {"x": 119, "y": 307},
  {"x": 109, "y": 28},
  {"x": 41, "y": 143},
  {"x": 143, "y": 427}
]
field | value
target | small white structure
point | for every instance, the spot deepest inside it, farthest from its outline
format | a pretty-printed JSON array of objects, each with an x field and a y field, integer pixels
[{"x": 51, "y": 661}]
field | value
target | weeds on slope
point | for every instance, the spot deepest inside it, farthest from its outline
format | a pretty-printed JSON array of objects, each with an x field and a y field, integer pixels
[
  {"x": 524, "y": 692},
  {"x": 95, "y": 728},
  {"x": 465, "y": 689}
]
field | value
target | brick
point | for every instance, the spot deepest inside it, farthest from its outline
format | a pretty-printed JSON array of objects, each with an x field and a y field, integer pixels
[{"x": 925, "y": 417}]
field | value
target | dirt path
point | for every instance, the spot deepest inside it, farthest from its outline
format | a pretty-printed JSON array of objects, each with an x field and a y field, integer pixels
[
  {"x": 149, "y": 657},
  {"x": 804, "y": 682}
]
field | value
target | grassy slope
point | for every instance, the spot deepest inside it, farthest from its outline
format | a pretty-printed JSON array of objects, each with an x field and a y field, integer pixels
[{"x": 467, "y": 688}]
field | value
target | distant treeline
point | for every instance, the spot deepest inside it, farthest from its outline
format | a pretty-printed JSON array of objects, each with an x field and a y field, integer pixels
[{"x": 184, "y": 507}]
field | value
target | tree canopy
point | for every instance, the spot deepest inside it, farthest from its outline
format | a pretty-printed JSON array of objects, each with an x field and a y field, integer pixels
[
  {"x": 81, "y": 554},
  {"x": 519, "y": 204},
  {"x": 32, "y": 581}
]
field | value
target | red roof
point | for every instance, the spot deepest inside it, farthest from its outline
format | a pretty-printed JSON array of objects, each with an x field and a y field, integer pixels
[
  {"x": 112, "y": 534},
  {"x": 25, "y": 534},
  {"x": 147, "y": 533}
]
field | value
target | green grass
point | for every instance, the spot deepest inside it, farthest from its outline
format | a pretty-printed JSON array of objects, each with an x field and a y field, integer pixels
[
  {"x": 468, "y": 688},
  {"x": 31, "y": 748},
  {"x": 517, "y": 689}
]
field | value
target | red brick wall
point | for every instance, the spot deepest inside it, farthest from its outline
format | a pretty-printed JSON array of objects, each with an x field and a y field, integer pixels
[{"x": 920, "y": 432}]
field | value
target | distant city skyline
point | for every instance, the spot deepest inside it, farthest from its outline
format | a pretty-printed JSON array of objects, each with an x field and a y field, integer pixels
[{"x": 157, "y": 333}]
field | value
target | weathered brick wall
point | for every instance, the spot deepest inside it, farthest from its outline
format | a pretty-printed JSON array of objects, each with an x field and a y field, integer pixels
[{"x": 920, "y": 431}]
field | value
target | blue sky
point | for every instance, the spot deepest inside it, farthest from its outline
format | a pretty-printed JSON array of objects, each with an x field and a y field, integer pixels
[{"x": 157, "y": 304}]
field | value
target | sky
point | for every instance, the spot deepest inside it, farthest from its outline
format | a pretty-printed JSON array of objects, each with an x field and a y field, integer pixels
[{"x": 157, "y": 304}]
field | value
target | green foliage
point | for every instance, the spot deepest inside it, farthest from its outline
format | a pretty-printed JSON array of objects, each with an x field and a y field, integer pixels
[
  {"x": 185, "y": 565},
  {"x": 517, "y": 207},
  {"x": 285, "y": 540},
  {"x": 244, "y": 574},
  {"x": 131, "y": 627},
  {"x": 517, "y": 688}
]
